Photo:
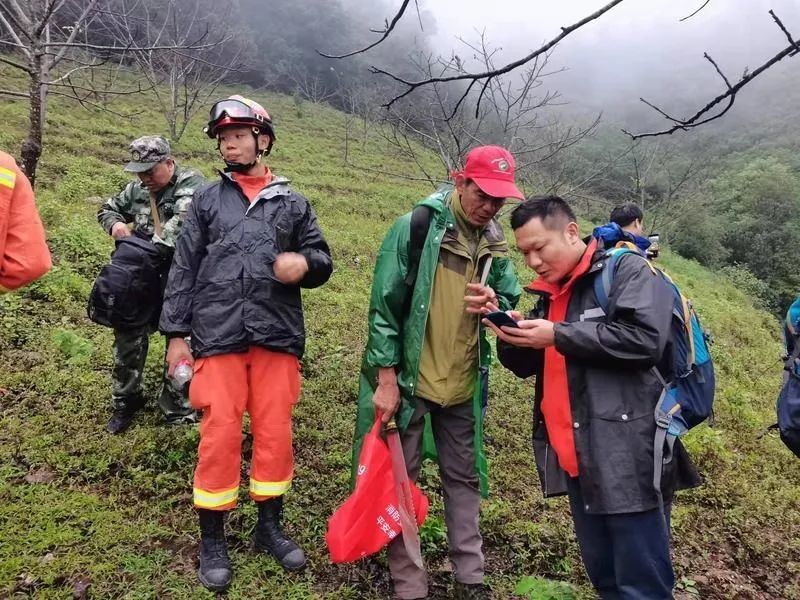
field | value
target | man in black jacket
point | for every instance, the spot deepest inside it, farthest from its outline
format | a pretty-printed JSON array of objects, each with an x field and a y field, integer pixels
[
  {"x": 596, "y": 391},
  {"x": 249, "y": 243}
]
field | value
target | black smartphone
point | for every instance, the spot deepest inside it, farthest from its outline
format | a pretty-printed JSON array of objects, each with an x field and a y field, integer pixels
[{"x": 500, "y": 319}]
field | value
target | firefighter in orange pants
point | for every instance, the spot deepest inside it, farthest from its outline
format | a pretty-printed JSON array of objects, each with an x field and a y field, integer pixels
[
  {"x": 264, "y": 383},
  {"x": 248, "y": 245}
]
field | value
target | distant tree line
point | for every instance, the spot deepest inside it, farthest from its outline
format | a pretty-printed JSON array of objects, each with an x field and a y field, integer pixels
[{"x": 728, "y": 196}]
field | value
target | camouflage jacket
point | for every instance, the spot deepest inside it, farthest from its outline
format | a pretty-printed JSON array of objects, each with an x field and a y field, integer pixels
[{"x": 132, "y": 205}]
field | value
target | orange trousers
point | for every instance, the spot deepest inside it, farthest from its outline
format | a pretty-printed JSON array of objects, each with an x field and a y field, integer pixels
[{"x": 267, "y": 385}]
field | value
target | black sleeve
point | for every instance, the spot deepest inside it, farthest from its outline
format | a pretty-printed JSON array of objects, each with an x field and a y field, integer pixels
[
  {"x": 311, "y": 243},
  {"x": 190, "y": 248},
  {"x": 523, "y": 362},
  {"x": 637, "y": 328}
]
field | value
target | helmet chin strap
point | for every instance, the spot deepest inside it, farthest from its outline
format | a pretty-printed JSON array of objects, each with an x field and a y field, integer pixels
[{"x": 235, "y": 167}]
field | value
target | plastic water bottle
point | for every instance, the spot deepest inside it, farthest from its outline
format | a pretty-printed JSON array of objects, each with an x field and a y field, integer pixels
[{"x": 182, "y": 374}]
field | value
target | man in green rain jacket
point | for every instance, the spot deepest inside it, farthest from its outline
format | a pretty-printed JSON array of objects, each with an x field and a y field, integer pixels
[{"x": 426, "y": 360}]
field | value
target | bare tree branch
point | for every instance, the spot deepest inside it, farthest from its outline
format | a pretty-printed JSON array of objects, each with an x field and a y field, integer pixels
[
  {"x": 695, "y": 12},
  {"x": 14, "y": 94},
  {"x": 17, "y": 41},
  {"x": 229, "y": 68},
  {"x": 419, "y": 15},
  {"x": 79, "y": 23},
  {"x": 14, "y": 64},
  {"x": 385, "y": 33},
  {"x": 730, "y": 94},
  {"x": 74, "y": 70},
  {"x": 86, "y": 103},
  {"x": 83, "y": 46},
  {"x": 185, "y": 76},
  {"x": 52, "y": 6},
  {"x": 569, "y": 138},
  {"x": 716, "y": 67},
  {"x": 12, "y": 44},
  {"x": 75, "y": 87},
  {"x": 19, "y": 15},
  {"x": 441, "y": 120},
  {"x": 675, "y": 120},
  {"x": 413, "y": 85},
  {"x": 786, "y": 32}
]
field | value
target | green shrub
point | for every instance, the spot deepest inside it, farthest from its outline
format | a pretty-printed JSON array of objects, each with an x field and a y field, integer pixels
[
  {"x": 76, "y": 349},
  {"x": 754, "y": 288},
  {"x": 539, "y": 588},
  {"x": 62, "y": 286}
]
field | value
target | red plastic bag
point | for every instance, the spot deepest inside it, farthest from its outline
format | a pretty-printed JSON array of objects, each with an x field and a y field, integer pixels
[{"x": 368, "y": 520}]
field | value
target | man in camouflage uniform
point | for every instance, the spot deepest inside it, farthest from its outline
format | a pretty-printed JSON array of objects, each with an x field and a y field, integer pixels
[{"x": 169, "y": 188}]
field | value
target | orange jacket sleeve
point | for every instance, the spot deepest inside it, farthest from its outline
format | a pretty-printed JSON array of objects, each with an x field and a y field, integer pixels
[{"x": 24, "y": 255}]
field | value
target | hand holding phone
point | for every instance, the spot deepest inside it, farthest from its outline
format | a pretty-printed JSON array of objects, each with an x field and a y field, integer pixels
[
  {"x": 530, "y": 333},
  {"x": 499, "y": 318}
]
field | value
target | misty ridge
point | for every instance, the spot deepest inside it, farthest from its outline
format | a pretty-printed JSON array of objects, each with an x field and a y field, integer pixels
[
  {"x": 642, "y": 49},
  {"x": 635, "y": 50}
]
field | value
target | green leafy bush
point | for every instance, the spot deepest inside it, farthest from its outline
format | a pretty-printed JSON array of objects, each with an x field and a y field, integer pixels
[
  {"x": 756, "y": 289},
  {"x": 539, "y": 588},
  {"x": 76, "y": 349}
]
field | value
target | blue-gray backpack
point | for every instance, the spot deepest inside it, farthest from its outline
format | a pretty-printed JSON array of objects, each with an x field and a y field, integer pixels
[
  {"x": 789, "y": 399},
  {"x": 689, "y": 384}
]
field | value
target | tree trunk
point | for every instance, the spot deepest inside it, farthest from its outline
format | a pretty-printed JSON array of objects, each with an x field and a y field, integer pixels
[
  {"x": 32, "y": 146},
  {"x": 173, "y": 108}
]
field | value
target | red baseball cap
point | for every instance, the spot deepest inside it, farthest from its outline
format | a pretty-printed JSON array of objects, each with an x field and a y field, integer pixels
[{"x": 492, "y": 169}]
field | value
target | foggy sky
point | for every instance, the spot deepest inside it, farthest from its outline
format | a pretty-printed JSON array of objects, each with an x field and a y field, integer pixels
[{"x": 638, "y": 48}]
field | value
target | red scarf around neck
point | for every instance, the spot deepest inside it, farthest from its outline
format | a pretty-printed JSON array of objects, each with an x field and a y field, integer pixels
[{"x": 555, "y": 398}]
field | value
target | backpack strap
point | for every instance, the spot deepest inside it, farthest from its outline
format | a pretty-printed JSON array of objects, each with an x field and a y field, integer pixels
[
  {"x": 791, "y": 317},
  {"x": 602, "y": 283},
  {"x": 788, "y": 365},
  {"x": 421, "y": 218},
  {"x": 629, "y": 245},
  {"x": 662, "y": 425},
  {"x": 689, "y": 326},
  {"x": 669, "y": 427},
  {"x": 154, "y": 214},
  {"x": 686, "y": 315}
]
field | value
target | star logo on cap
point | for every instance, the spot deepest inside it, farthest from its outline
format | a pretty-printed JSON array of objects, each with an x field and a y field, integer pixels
[{"x": 503, "y": 165}]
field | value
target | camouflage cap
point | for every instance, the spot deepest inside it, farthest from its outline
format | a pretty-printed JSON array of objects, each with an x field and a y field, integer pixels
[{"x": 147, "y": 151}]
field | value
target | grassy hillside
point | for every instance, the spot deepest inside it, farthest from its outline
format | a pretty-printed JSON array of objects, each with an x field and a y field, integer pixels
[{"x": 81, "y": 508}]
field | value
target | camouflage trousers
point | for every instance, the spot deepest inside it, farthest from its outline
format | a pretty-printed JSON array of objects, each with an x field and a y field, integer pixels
[{"x": 130, "y": 353}]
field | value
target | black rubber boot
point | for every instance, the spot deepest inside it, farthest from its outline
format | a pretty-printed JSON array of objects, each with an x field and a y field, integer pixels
[
  {"x": 120, "y": 420},
  {"x": 215, "y": 567},
  {"x": 270, "y": 538}
]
